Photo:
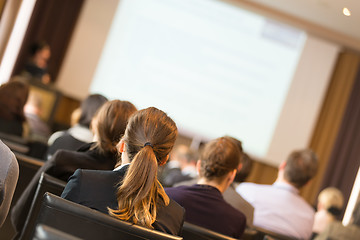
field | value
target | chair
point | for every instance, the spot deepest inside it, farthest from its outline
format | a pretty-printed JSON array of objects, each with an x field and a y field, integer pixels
[
  {"x": 9, "y": 174},
  {"x": 46, "y": 183},
  {"x": 194, "y": 232},
  {"x": 44, "y": 232},
  {"x": 86, "y": 223},
  {"x": 264, "y": 234}
]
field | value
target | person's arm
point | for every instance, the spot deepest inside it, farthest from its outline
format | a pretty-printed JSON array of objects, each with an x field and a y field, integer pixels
[{"x": 72, "y": 188}]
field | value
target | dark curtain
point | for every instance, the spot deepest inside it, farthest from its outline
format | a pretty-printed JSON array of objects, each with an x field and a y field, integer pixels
[
  {"x": 344, "y": 161},
  {"x": 52, "y": 21}
]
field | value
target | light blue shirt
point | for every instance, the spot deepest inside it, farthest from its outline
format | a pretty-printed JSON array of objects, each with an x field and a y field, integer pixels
[{"x": 279, "y": 208}]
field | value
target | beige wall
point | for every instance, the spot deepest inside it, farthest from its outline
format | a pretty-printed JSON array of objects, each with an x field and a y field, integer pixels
[
  {"x": 7, "y": 22},
  {"x": 85, "y": 47}
]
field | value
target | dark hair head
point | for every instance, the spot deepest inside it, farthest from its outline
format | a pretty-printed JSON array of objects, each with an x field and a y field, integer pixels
[
  {"x": 89, "y": 107},
  {"x": 38, "y": 46},
  {"x": 111, "y": 121},
  {"x": 245, "y": 170},
  {"x": 219, "y": 157},
  {"x": 149, "y": 137},
  {"x": 13, "y": 97},
  {"x": 300, "y": 167}
]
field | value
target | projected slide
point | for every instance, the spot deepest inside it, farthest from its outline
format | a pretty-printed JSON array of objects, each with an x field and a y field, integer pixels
[{"x": 214, "y": 68}]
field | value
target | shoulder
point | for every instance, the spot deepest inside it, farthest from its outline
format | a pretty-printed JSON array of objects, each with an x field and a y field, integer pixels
[
  {"x": 55, "y": 136},
  {"x": 178, "y": 192},
  {"x": 246, "y": 188}
]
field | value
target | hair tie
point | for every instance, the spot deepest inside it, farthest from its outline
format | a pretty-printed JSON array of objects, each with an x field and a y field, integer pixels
[{"x": 148, "y": 144}]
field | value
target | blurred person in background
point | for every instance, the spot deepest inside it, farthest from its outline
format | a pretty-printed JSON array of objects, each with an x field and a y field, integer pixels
[
  {"x": 80, "y": 133},
  {"x": 13, "y": 97}
]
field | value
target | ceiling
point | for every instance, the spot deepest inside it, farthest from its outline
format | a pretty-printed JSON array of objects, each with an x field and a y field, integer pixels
[{"x": 323, "y": 17}]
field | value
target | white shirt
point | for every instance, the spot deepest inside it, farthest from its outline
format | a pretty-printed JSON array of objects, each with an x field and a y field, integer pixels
[{"x": 279, "y": 208}]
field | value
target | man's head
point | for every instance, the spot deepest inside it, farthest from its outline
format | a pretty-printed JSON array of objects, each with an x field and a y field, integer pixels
[{"x": 300, "y": 167}]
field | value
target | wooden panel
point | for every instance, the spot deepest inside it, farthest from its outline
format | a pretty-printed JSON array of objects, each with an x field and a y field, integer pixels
[{"x": 330, "y": 117}]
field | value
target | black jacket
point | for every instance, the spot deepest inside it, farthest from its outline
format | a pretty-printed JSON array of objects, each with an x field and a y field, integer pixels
[
  {"x": 97, "y": 190},
  {"x": 62, "y": 165}
]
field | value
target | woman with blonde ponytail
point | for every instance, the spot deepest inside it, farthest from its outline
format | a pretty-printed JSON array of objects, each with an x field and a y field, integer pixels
[{"x": 132, "y": 191}]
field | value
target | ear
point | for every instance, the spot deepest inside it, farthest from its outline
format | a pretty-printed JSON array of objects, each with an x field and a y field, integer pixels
[
  {"x": 198, "y": 166},
  {"x": 232, "y": 175},
  {"x": 282, "y": 165},
  {"x": 121, "y": 146},
  {"x": 239, "y": 167}
]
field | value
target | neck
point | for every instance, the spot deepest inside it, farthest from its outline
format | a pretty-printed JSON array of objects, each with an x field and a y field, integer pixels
[
  {"x": 281, "y": 179},
  {"x": 220, "y": 186}
]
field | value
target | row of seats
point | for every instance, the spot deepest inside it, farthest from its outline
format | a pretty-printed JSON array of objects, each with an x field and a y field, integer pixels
[
  {"x": 51, "y": 214},
  {"x": 33, "y": 226}
]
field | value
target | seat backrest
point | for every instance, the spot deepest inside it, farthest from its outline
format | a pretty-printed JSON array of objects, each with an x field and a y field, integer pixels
[
  {"x": 9, "y": 174},
  {"x": 86, "y": 223},
  {"x": 194, "y": 232},
  {"x": 269, "y": 235},
  {"x": 44, "y": 232},
  {"x": 46, "y": 183}
]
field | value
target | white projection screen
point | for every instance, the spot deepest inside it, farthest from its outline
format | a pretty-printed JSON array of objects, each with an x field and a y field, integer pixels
[{"x": 217, "y": 70}]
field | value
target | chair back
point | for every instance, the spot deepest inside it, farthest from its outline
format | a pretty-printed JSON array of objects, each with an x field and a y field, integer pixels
[
  {"x": 194, "y": 232},
  {"x": 9, "y": 174},
  {"x": 265, "y": 234},
  {"x": 44, "y": 232},
  {"x": 86, "y": 223},
  {"x": 46, "y": 183}
]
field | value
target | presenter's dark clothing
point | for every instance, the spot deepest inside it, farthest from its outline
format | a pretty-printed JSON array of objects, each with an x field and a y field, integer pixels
[
  {"x": 97, "y": 190},
  {"x": 206, "y": 207},
  {"x": 62, "y": 165}
]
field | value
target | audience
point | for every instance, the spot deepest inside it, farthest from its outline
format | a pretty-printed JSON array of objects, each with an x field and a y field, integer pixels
[
  {"x": 203, "y": 202},
  {"x": 13, "y": 96},
  {"x": 330, "y": 203},
  {"x": 336, "y": 231},
  {"x": 79, "y": 134},
  {"x": 186, "y": 161},
  {"x": 109, "y": 125},
  {"x": 132, "y": 192},
  {"x": 279, "y": 207},
  {"x": 9, "y": 173}
]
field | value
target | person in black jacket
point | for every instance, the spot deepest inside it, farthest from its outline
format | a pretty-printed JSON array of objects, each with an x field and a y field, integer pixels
[
  {"x": 109, "y": 125},
  {"x": 132, "y": 191}
]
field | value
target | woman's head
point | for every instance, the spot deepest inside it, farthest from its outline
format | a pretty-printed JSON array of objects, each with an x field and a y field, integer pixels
[
  {"x": 13, "y": 97},
  {"x": 110, "y": 123},
  {"x": 331, "y": 199},
  {"x": 218, "y": 158},
  {"x": 149, "y": 137},
  {"x": 89, "y": 108},
  {"x": 151, "y": 126}
]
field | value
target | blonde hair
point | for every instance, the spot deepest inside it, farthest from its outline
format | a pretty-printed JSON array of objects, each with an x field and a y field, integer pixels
[
  {"x": 331, "y": 197},
  {"x": 149, "y": 137}
]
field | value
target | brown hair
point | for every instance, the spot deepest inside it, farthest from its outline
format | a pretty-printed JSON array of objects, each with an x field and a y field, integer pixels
[
  {"x": 112, "y": 118},
  {"x": 13, "y": 97},
  {"x": 300, "y": 167},
  {"x": 89, "y": 107},
  {"x": 219, "y": 157},
  {"x": 149, "y": 137},
  {"x": 245, "y": 170}
]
